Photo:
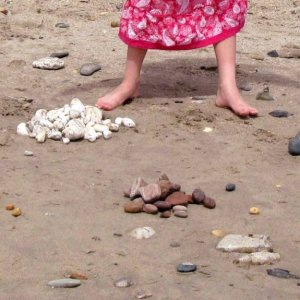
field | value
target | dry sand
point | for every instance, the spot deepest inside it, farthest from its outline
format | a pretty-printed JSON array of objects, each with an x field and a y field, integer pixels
[{"x": 71, "y": 196}]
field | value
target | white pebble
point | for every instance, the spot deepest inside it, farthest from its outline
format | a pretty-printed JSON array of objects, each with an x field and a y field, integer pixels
[
  {"x": 65, "y": 140},
  {"x": 119, "y": 121},
  {"x": 207, "y": 129},
  {"x": 49, "y": 63},
  {"x": 127, "y": 122},
  {"x": 22, "y": 129},
  {"x": 28, "y": 153},
  {"x": 106, "y": 122},
  {"x": 107, "y": 134},
  {"x": 142, "y": 233}
]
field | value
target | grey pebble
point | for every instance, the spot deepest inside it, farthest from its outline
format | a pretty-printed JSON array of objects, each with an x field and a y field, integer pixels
[
  {"x": 60, "y": 54},
  {"x": 273, "y": 53},
  {"x": 230, "y": 187},
  {"x": 246, "y": 87},
  {"x": 64, "y": 283},
  {"x": 294, "y": 145},
  {"x": 175, "y": 244},
  {"x": 62, "y": 25},
  {"x": 280, "y": 113},
  {"x": 123, "y": 282},
  {"x": 89, "y": 69},
  {"x": 186, "y": 267}
]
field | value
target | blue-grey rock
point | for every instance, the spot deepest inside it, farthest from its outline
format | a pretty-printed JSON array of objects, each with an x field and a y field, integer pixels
[
  {"x": 230, "y": 187},
  {"x": 294, "y": 145},
  {"x": 280, "y": 113},
  {"x": 186, "y": 267},
  {"x": 273, "y": 53},
  {"x": 60, "y": 54},
  {"x": 89, "y": 69},
  {"x": 64, "y": 283}
]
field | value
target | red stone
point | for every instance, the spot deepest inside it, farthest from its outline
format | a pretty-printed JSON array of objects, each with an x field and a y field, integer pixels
[
  {"x": 178, "y": 198},
  {"x": 209, "y": 203}
]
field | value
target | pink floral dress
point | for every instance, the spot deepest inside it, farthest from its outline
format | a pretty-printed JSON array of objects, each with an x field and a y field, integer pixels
[{"x": 180, "y": 24}]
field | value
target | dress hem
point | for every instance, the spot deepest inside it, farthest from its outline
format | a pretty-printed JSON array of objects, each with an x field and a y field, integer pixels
[{"x": 200, "y": 44}]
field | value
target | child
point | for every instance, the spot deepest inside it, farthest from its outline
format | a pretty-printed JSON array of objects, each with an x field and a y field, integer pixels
[{"x": 181, "y": 25}]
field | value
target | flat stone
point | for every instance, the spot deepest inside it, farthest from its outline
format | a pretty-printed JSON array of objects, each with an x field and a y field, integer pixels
[
  {"x": 135, "y": 206},
  {"x": 60, "y": 54},
  {"x": 123, "y": 282},
  {"x": 244, "y": 244},
  {"x": 142, "y": 232},
  {"x": 281, "y": 273},
  {"x": 181, "y": 214},
  {"x": 150, "y": 209},
  {"x": 280, "y": 113},
  {"x": 230, "y": 187},
  {"x": 186, "y": 267},
  {"x": 89, "y": 69},
  {"x": 64, "y": 283},
  {"x": 209, "y": 202},
  {"x": 150, "y": 193},
  {"x": 178, "y": 198},
  {"x": 162, "y": 205},
  {"x": 135, "y": 187},
  {"x": 49, "y": 63},
  {"x": 294, "y": 145},
  {"x": 198, "y": 196},
  {"x": 62, "y": 25},
  {"x": 28, "y": 153}
]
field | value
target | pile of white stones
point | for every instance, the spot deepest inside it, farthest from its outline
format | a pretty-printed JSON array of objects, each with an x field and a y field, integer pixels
[{"x": 72, "y": 122}]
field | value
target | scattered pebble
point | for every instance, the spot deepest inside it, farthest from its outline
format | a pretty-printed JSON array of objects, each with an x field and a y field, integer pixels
[
  {"x": 273, "y": 53},
  {"x": 247, "y": 87},
  {"x": 115, "y": 24},
  {"x": 294, "y": 145},
  {"x": 60, "y": 54},
  {"x": 254, "y": 211},
  {"x": 16, "y": 212},
  {"x": 181, "y": 214},
  {"x": 142, "y": 233},
  {"x": 218, "y": 233},
  {"x": 89, "y": 69},
  {"x": 62, "y": 25},
  {"x": 207, "y": 129},
  {"x": 198, "y": 196},
  {"x": 64, "y": 283},
  {"x": 186, "y": 267},
  {"x": 258, "y": 258},
  {"x": 209, "y": 203},
  {"x": 9, "y": 206},
  {"x": 49, "y": 63},
  {"x": 280, "y": 113},
  {"x": 175, "y": 244},
  {"x": 143, "y": 295},
  {"x": 244, "y": 244},
  {"x": 281, "y": 273},
  {"x": 179, "y": 208},
  {"x": 123, "y": 282},
  {"x": 178, "y": 198},
  {"x": 230, "y": 187},
  {"x": 163, "y": 205},
  {"x": 166, "y": 214},
  {"x": 78, "y": 276},
  {"x": 28, "y": 153}
]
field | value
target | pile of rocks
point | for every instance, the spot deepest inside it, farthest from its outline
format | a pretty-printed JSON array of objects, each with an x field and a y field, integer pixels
[
  {"x": 71, "y": 122},
  {"x": 163, "y": 197}
]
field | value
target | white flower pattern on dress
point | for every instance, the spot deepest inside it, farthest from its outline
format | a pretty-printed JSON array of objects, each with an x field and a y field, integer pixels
[{"x": 180, "y": 22}]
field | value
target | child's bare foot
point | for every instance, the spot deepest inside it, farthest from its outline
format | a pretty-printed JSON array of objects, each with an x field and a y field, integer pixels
[
  {"x": 118, "y": 96},
  {"x": 231, "y": 98}
]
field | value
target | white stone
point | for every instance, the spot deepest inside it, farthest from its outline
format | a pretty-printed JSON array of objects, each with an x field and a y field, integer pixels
[
  {"x": 100, "y": 127},
  {"x": 76, "y": 108},
  {"x": 142, "y": 232},
  {"x": 22, "y": 129},
  {"x": 107, "y": 134},
  {"x": 28, "y": 153},
  {"x": 127, "y": 122},
  {"x": 258, "y": 258},
  {"x": 119, "y": 121},
  {"x": 244, "y": 244},
  {"x": 49, "y": 63}
]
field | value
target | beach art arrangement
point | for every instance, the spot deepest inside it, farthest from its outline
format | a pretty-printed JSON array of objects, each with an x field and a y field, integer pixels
[{"x": 72, "y": 122}]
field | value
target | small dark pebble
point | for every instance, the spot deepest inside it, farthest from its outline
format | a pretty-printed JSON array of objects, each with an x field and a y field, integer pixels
[
  {"x": 279, "y": 113},
  {"x": 294, "y": 145},
  {"x": 273, "y": 53},
  {"x": 175, "y": 244},
  {"x": 186, "y": 267},
  {"x": 178, "y": 101},
  {"x": 61, "y": 54},
  {"x": 62, "y": 25},
  {"x": 230, "y": 187},
  {"x": 298, "y": 283},
  {"x": 281, "y": 273},
  {"x": 118, "y": 234}
]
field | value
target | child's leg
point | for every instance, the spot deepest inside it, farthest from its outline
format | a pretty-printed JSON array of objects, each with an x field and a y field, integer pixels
[
  {"x": 130, "y": 84},
  {"x": 228, "y": 94}
]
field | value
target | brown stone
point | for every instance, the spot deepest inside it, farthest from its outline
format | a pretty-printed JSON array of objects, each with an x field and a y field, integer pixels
[
  {"x": 178, "y": 198},
  {"x": 181, "y": 214},
  {"x": 135, "y": 206},
  {"x": 150, "y": 193},
  {"x": 162, "y": 205},
  {"x": 198, "y": 196},
  {"x": 135, "y": 187},
  {"x": 166, "y": 214},
  {"x": 150, "y": 209},
  {"x": 9, "y": 207},
  {"x": 78, "y": 276},
  {"x": 209, "y": 202}
]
